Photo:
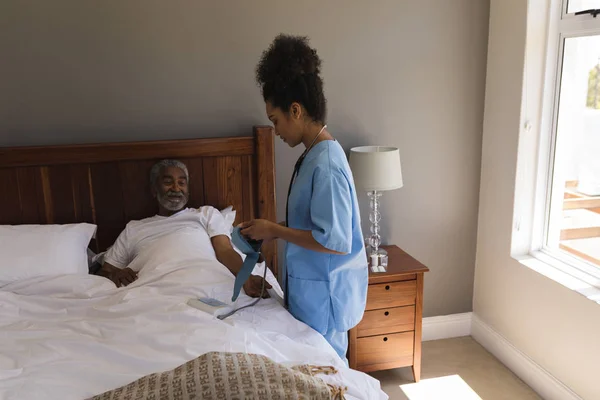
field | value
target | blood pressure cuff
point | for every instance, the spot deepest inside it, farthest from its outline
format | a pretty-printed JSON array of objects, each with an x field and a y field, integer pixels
[{"x": 251, "y": 248}]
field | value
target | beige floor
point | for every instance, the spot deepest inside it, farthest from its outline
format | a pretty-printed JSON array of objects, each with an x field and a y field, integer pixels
[{"x": 459, "y": 369}]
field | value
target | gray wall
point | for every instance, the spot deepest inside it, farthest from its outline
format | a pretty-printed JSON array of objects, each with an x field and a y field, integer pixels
[{"x": 403, "y": 73}]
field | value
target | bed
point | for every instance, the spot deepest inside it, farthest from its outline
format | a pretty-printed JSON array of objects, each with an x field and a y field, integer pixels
[{"x": 73, "y": 336}]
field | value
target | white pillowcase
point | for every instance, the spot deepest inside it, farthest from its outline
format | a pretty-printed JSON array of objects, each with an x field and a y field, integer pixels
[
  {"x": 229, "y": 215},
  {"x": 28, "y": 251}
]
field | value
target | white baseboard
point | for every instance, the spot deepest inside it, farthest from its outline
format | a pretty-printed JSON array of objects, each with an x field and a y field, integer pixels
[
  {"x": 446, "y": 326},
  {"x": 540, "y": 380}
]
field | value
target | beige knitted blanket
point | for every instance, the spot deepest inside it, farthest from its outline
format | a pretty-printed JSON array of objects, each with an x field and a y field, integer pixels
[{"x": 230, "y": 376}]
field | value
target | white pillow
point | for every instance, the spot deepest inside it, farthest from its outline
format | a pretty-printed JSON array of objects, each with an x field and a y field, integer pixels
[
  {"x": 28, "y": 251},
  {"x": 229, "y": 215}
]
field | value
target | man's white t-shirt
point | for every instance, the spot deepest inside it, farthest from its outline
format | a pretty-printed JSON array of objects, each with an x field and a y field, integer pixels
[{"x": 207, "y": 222}]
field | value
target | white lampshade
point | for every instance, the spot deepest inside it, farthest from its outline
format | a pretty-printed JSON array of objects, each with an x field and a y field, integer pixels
[{"x": 376, "y": 168}]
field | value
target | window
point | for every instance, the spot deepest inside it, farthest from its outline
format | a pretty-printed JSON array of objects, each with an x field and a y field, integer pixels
[{"x": 571, "y": 221}]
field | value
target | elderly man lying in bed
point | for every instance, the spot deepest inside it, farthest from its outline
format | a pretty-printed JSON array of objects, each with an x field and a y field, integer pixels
[{"x": 169, "y": 181}]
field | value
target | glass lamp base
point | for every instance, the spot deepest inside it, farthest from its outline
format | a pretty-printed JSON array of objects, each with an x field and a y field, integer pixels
[{"x": 378, "y": 260}]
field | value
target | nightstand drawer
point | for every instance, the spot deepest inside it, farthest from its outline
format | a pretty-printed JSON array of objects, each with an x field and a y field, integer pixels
[
  {"x": 396, "y": 349},
  {"x": 387, "y": 320},
  {"x": 393, "y": 294}
]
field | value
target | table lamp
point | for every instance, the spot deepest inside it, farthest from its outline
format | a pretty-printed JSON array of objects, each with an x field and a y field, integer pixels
[{"x": 376, "y": 169}]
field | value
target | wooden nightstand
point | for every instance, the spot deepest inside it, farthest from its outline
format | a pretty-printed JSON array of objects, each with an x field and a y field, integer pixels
[{"x": 389, "y": 335}]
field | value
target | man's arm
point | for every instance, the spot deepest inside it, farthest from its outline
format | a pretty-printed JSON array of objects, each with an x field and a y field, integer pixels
[
  {"x": 107, "y": 270},
  {"x": 226, "y": 254},
  {"x": 230, "y": 258},
  {"x": 116, "y": 259}
]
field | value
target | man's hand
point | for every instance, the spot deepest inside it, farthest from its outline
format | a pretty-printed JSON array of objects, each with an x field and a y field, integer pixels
[
  {"x": 124, "y": 277},
  {"x": 120, "y": 277},
  {"x": 259, "y": 229},
  {"x": 253, "y": 286}
]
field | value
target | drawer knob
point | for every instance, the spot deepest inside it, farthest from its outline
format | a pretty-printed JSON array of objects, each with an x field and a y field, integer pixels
[
  {"x": 387, "y": 313},
  {"x": 385, "y": 339},
  {"x": 387, "y": 287}
]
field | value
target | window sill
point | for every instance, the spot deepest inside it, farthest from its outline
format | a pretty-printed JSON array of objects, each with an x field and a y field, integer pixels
[{"x": 563, "y": 273}]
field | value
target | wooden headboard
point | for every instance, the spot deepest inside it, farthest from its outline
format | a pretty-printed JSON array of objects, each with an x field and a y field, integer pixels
[{"x": 108, "y": 184}]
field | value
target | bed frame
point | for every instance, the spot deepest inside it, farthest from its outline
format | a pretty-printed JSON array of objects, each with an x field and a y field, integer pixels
[{"x": 108, "y": 184}]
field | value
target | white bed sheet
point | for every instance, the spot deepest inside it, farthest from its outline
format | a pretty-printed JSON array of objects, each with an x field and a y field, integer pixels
[{"x": 75, "y": 336}]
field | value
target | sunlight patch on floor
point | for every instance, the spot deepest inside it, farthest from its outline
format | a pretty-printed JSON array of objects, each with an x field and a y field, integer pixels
[{"x": 445, "y": 387}]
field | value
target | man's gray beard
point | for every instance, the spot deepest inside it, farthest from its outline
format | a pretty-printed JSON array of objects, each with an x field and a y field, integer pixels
[{"x": 163, "y": 200}]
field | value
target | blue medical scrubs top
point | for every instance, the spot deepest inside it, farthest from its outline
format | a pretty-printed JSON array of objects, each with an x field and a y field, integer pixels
[{"x": 326, "y": 291}]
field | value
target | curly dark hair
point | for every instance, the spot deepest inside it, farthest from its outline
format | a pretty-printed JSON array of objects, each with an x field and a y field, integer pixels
[{"x": 288, "y": 72}]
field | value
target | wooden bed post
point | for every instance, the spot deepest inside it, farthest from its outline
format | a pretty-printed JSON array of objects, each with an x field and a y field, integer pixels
[{"x": 265, "y": 167}]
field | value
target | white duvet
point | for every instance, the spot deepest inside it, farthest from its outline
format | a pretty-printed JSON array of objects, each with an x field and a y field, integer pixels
[{"x": 75, "y": 336}]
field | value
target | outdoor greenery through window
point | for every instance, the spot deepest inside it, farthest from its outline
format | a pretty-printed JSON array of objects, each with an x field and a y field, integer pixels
[{"x": 593, "y": 97}]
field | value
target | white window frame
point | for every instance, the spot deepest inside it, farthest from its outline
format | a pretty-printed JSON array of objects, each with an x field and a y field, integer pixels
[{"x": 546, "y": 34}]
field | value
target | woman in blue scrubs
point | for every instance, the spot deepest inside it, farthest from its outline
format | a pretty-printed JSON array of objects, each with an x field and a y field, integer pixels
[{"x": 326, "y": 264}]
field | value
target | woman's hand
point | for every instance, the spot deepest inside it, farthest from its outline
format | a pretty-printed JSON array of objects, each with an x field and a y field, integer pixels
[
  {"x": 253, "y": 286},
  {"x": 259, "y": 229}
]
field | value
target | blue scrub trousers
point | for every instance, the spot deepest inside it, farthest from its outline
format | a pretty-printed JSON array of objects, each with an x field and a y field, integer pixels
[{"x": 339, "y": 342}]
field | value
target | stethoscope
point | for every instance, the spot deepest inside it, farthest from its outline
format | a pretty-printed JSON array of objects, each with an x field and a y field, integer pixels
[
  {"x": 297, "y": 170},
  {"x": 294, "y": 176}
]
